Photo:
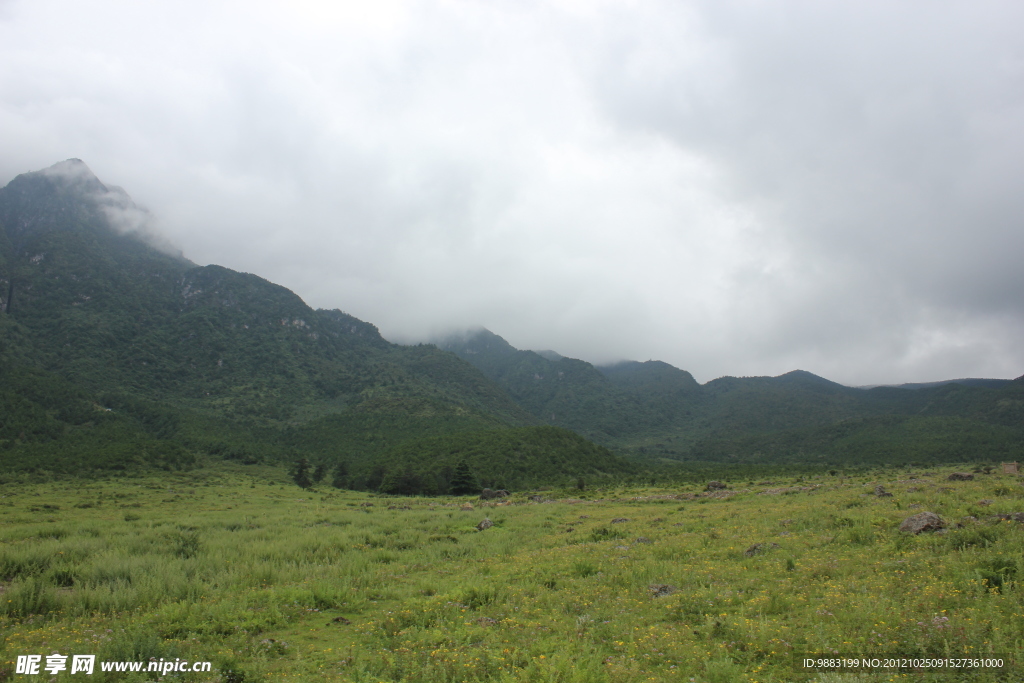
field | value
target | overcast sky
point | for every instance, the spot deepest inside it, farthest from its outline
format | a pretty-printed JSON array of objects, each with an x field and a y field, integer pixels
[{"x": 738, "y": 188}]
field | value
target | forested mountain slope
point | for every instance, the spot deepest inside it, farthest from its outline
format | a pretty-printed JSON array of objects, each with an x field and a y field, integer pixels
[
  {"x": 660, "y": 413},
  {"x": 199, "y": 356},
  {"x": 116, "y": 352}
]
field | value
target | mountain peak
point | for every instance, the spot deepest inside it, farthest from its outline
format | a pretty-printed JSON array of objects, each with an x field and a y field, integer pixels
[
  {"x": 69, "y": 197},
  {"x": 74, "y": 173},
  {"x": 474, "y": 341}
]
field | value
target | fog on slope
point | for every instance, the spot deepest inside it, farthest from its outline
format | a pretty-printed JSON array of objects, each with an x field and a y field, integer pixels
[
  {"x": 121, "y": 213},
  {"x": 732, "y": 188}
]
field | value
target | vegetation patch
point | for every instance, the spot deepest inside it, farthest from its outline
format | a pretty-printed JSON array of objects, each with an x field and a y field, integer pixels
[{"x": 269, "y": 580}]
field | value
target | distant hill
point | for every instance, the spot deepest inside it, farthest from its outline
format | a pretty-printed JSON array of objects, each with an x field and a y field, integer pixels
[
  {"x": 658, "y": 413},
  {"x": 560, "y": 391},
  {"x": 967, "y": 381}
]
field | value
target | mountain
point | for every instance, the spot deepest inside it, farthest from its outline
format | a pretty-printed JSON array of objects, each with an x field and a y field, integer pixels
[
  {"x": 966, "y": 381},
  {"x": 659, "y": 413},
  {"x": 557, "y": 390},
  {"x": 117, "y": 352},
  {"x": 107, "y": 337},
  {"x": 631, "y": 404}
]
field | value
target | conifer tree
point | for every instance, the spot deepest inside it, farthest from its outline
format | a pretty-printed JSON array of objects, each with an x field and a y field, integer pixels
[
  {"x": 463, "y": 483},
  {"x": 340, "y": 475},
  {"x": 300, "y": 473},
  {"x": 319, "y": 472}
]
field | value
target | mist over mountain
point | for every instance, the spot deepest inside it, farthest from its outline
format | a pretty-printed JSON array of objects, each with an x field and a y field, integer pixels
[
  {"x": 196, "y": 358},
  {"x": 116, "y": 352}
]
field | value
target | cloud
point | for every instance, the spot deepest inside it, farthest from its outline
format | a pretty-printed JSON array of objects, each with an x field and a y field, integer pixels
[
  {"x": 735, "y": 188},
  {"x": 116, "y": 206}
]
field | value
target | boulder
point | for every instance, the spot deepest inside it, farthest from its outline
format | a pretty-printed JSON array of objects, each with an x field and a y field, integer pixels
[
  {"x": 488, "y": 494},
  {"x": 922, "y": 521},
  {"x": 759, "y": 548},
  {"x": 881, "y": 492},
  {"x": 660, "y": 590},
  {"x": 485, "y": 524},
  {"x": 960, "y": 476},
  {"x": 715, "y": 486},
  {"x": 620, "y": 520}
]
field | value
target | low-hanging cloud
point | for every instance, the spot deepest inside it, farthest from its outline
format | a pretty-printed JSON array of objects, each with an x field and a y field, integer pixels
[
  {"x": 734, "y": 188},
  {"x": 116, "y": 207}
]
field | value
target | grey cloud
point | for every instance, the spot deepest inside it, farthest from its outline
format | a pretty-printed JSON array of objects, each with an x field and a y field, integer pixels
[
  {"x": 734, "y": 188},
  {"x": 879, "y": 144}
]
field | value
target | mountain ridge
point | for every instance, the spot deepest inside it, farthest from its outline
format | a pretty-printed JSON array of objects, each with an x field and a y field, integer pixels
[
  {"x": 670, "y": 416},
  {"x": 107, "y": 339},
  {"x": 153, "y": 349}
]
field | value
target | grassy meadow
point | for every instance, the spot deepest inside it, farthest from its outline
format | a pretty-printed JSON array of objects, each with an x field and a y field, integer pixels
[{"x": 238, "y": 566}]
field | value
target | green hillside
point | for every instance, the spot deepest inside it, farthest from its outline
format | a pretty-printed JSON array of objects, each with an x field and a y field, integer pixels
[
  {"x": 500, "y": 459},
  {"x": 112, "y": 313},
  {"x": 564, "y": 392},
  {"x": 657, "y": 413},
  {"x": 117, "y": 353},
  {"x": 106, "y": 340}
]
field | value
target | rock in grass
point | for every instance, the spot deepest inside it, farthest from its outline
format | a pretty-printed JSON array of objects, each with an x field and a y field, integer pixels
[
  {"x": 960, "y": 476},
  {"x": 660, "y": 590},
  {"x": 922, "y": 521},
  {"x": 714, "y": 486},
  {"x": 759, "y": 548},
  {"x": 339, "y": 620},
  {"x": 488, "y": 494},
  {"x": 881, "y": 492},
  {"x": 1005, "y": 517},
  {"x": 620, "y": 520},
  {"x": 485, "y": 524}
]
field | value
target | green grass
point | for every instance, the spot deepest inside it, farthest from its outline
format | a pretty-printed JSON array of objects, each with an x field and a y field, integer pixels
[{"x": 237, "y": 566}]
